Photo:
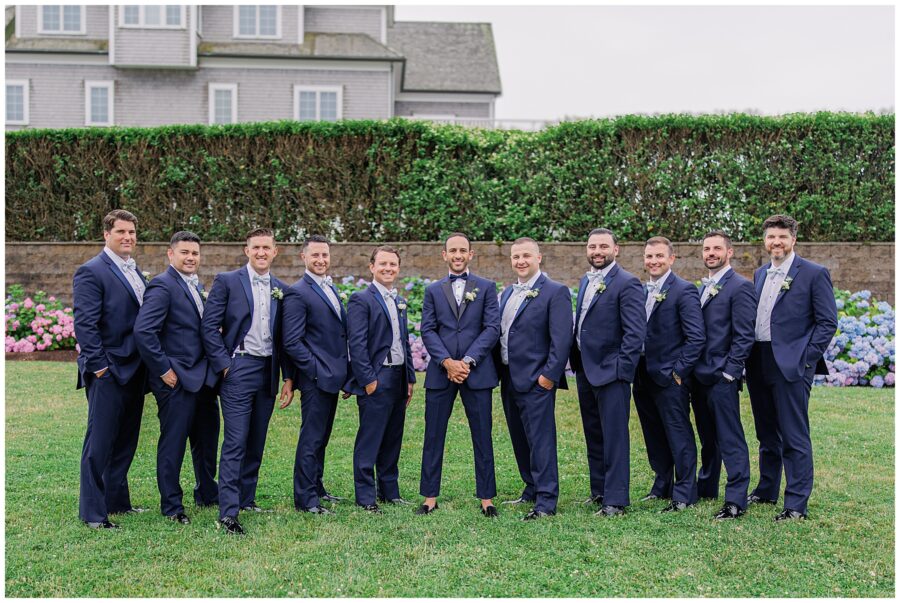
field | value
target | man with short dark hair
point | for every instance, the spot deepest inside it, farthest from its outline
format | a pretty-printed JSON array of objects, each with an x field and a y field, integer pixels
[
  {"x": 108, "y": 291},
  {"x": 460, "y": 327},
  {"x": 241, "y": 330},
  {"x": 796, "y": 317},
  {"x": 728, "y": 303},
  {"x": 382, "y": 377},
  {"x": 673, "y": 344},
  {"x": 167, "y": 333},
  {"x": 315, "y": 342},
  {"x": 609, "y": 331}
]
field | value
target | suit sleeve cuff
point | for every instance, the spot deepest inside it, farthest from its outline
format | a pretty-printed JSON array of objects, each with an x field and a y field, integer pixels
[{"x": 469, "y": 360}]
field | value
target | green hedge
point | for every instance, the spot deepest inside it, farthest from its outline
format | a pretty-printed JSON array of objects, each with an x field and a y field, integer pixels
[{"x": 399, "y": 180}]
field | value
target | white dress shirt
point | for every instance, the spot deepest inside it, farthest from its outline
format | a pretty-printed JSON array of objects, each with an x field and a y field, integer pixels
[
  {"x": 767, "y": 298},
  {"x": 589, "y": 294},
  {"x": 258, "y": 341},
  {"x": 509, "y": 313},
  {"x": 131, "y": 274}
]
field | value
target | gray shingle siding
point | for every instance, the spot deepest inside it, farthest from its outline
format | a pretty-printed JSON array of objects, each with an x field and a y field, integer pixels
[
  {"x": 407, "y": 108},
  {"x": 217, "y": 25},
  {"x": 96, "y": 22},
  {"x": 153, "y": 47},
  {"x": 150, "y": 97},
  {"x": 326, "y": 19}
]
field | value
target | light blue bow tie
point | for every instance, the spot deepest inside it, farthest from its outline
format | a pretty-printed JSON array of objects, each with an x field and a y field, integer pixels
[
  {"x": 327, "y": 281},
  {"x": 194, "y": 281},
  {"x": 708, "y": 281},
  {"x": 651, "y": 286},
  {"x": 261, "y": 279},
  {"x": 130, "y": 265},
  {"x": 517, "y": 288},
  {"x": 771, "y": 271},
  {"x": 593, "y": 277},
  {"x": 392, "y": 294}
]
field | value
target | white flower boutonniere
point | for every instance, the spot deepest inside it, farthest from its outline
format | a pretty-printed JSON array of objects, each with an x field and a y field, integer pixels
[
  {"x": 146, "y": 275},
  {"x": 401, "y": 306},
  {"x": 343, "y": 296},
  {"x": 659, "y": 297},
  {"x": 471, "y": 295},
  {"x": 277, "y": 293},
  {"x": 532, "y": 293},
  {"x": 715, "y": 290},
  {"x": 786, "y": 285},
  {"x": 204, "y": 294},
  {"x": 600, "y": 288}
]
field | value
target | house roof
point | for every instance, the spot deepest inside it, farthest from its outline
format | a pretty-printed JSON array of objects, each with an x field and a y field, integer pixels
[
  {"x": 48, "y": 44},
  {"x": 446, "y": 57},
  {"x": 315, "y": 45}
]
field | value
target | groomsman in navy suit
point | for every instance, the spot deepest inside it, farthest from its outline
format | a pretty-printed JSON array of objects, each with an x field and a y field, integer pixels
[
  {"x": 382, "y": 377},
  {"x": 167, "y": 333},
  {"x": 460, "y": 327},
  {"x": 108, "y": 290},
  {"x": 315, "y": 341},
  {"x": 610, "y": 327},
  {"x": 796, "y": 318},
  {"x": 242, "y": 337},
  {"x": 728, "y": 302},
  {"x": 675, "y": 338},
  {"x": 535, "y": 339}
]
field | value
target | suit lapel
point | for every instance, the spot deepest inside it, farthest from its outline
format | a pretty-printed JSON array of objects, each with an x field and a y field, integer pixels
[
  {"x": 582, "y": 287},
  {"x": 321, "y": 293},
  {"x": 184, "y": 287},
  {"x": 504, "y": 298},
  {"x": 470, "y": 285},
  {"x": 792, "y": 274},
  {"x": 341, "y": 304},
  {"x": 447, "y": 288},
  {"x": 761, "y": 281},
  {"x": 120, "y": 275},
  {"x": 380, "y": 299},
  {"x": 273, "y": 304},
  {"x": 665, "y": 287},
  {"x": 606, "y": 280},
  {"x": 244, "y": 278},
  {"x": 537, "y": 287},
  {"x": 720, "y": 285}
]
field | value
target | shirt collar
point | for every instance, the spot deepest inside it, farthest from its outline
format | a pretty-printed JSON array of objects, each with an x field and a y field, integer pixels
[
  {"x": 786, "y": 264},
  {"x": 182, "y": 274},
  {"x": 320, "y": 280},
  {"x": 663, "y": 278},
  {"x": 532, "y": 280},
  {"x": 605, "y": 271},
  {"x": 115, "y": 258},
  {"x": 381, "y": 288},
  {"x": 721, "y": 272},
  {"x": 253, "y": 272}
]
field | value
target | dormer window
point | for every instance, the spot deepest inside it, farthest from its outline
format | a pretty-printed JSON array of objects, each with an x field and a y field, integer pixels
[
  {"x": 152, "y": 16},
  {"x": 257, "y": 21},
  {"x": 57, "y": 19}
]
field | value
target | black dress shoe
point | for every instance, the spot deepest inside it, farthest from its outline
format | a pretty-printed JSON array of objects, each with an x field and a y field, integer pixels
[
  {"x": 518, "y": 501},
  {"x": 231, "y": 526},
  {"x": 130, "y": 511},
  {"x": 373, "y": 508},
  {"x": 537, "y": 515},
  {"x": 788, "y": 514},
  {"x": 595, "y": 500},
  {"x": 102, "y": 525},
  {"x": 254, "y": 508},
  {"x": 179, "y": 518},
  {"x": 753, "y": 499},
  {"x": 395, "y": 501},
  {"x": 675, "y": 506},
  {"x": 331, "y": 498},
  {"x": 425, "y": 509},
  {"x": 490, "y": 511},
  {"x": 611, "y": 511},
  {"x": 729, "y": 511},
  {"x": 317, "y": 510}
]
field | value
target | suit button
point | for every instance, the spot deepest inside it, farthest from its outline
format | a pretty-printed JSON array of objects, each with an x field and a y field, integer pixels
[{"x": 459, "y": 330}]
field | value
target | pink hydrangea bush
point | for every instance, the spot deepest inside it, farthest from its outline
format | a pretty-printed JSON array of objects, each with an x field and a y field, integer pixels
[{"x": 37, "y": 323}]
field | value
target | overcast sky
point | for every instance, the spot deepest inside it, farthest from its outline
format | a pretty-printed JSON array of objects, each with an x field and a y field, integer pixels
[{"x": 611, "y": 60}]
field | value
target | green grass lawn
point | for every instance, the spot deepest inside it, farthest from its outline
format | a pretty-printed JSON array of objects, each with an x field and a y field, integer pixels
[{"x": 845, "y": 549}]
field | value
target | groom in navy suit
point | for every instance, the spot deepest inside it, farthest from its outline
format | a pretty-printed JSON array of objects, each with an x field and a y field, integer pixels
[
  {"x": 382, "y": 377},
  {"x": 460, "y": 327},
  {"x": 315, "y": 341},
  {"x": 167, "y": 333},
  {"x": 609, "y": 331},
  {"x": 796, "y": 318},
  {"x": 535, "y": 339},
  {"x": 675, "y": 338},
  {"x": 108, "y": 290},
  {"x": 241, "y": 330},
  {"x": 728, "y": 302}
]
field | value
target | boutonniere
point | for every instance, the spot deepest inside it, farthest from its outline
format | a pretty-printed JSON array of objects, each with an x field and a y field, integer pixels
[
  {"x": 471, "y": 295},
  {"x": 146, "y": 275},
  {"x": 659, "y": 297},
  {"x": 277, "y": 293},
  {"x": 715, "y": 290},
  {"x": 532, "y": 293},
  {"x": 204, "y": 293},
  {"x": 600, "y": 288},
  {"x": 401, "y": 306},
  {"x": 786, "y": 284},
  {"x": 343, "y": 296}
]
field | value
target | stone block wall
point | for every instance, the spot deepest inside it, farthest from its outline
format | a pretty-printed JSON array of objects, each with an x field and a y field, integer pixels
[{"x": 50, "y": 266}]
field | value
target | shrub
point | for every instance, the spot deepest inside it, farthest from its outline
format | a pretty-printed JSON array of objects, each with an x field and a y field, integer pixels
[{"x": 37, "y": 323}]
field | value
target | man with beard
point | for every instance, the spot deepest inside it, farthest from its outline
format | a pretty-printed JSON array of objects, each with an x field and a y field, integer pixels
[
  {"x": 728, "y": 302},
  {"x": 796, "y": 317},
  {"x": 609, "y": 332}
]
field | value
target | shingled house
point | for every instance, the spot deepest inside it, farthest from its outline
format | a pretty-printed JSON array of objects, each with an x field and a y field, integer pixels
[{"x": 131, "y": 65}]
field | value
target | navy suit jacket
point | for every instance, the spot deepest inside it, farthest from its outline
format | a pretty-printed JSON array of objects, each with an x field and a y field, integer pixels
[
  {"x": 105, "y": 308},
  {"x": 167, "y": 334},
  {"x": 540, "y": 335},
  {"x": 470, "y": 329},
  {"x": 675, "y": 331},
  {"x": 370, "y": 336},
  {"x": 315, "y": 336},
  {"x": 804, "y": 318},
  {"x": 613, "y": 330},
  {"x": 730, "y": 319},
  {"x": 227, "y": 317}
]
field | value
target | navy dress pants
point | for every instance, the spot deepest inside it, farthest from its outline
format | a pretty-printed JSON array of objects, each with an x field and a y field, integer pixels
[{"x": 317, "y": 410}]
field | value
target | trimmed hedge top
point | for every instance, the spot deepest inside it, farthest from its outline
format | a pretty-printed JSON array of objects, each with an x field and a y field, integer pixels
[{"x": 401, "y": 180}]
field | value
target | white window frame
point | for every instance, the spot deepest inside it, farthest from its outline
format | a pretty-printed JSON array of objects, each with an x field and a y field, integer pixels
[
  {"x": 213, "y": 88},
  {"x": 303, "y": 88},
  {"x": 110, "y": 87},
  {"x": 25, "y": 112},
  {"x": 237, "y": 24},
  {"x": 60, "y": 32},
  {"x": 141, "y": 24}
]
